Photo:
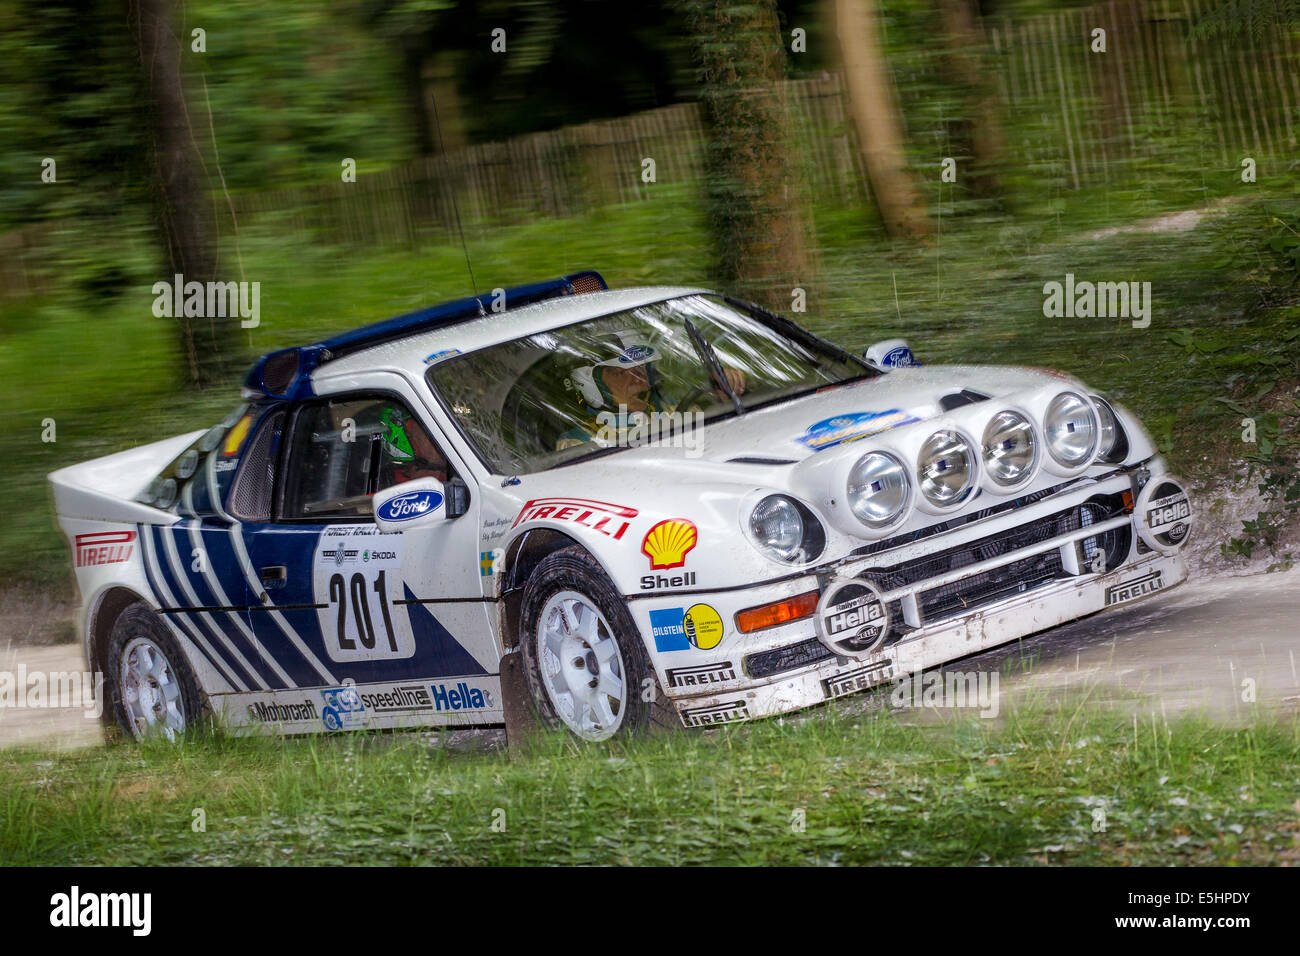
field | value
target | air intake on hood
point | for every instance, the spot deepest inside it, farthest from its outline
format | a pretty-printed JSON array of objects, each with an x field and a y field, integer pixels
[
  {"x": 755, "y": 460},
  {"x": 958, "y": 399}
]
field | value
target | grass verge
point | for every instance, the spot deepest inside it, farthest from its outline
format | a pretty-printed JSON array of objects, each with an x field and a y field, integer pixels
[{"x": 1049, "y": 784}]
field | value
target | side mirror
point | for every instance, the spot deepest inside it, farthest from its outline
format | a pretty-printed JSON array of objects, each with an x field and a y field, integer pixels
[
  {"x": 890, "y": 354},
  {"x": 457, "y": 497},
  {"x": 409, "y": 504}
]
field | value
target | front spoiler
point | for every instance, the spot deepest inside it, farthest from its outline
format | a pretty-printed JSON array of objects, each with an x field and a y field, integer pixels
[{"x": 935, "y": 644}]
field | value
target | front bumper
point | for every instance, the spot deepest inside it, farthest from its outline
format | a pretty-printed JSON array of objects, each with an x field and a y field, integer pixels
[
  {"x": 987, "y": 627},
  {"x": 1032, "y": 569}
]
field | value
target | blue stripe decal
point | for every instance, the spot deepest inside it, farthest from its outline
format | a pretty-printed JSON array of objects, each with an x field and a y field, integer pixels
[
  {"x": 257, "y": 678},
  {"x": 226, "y": 667},
  {"x": 434, "y": 643},
  {"x": 226, "y": 569},
  {"x": 437, "y": 652}
]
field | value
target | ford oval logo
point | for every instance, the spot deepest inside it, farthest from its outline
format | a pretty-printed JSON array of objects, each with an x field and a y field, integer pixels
[
  {"x": 900, "y": 357},
  {"x": 410, "y": 505}
]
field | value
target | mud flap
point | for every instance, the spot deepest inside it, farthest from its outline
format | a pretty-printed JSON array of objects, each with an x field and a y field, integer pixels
[{"x": 521, "y": 718}]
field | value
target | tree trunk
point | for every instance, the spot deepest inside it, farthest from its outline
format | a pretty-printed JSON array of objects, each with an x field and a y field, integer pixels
[
  {"x": 878, "y": 120},
  {"x": 752, "y": 194},
  {"x": 182, "y": 208},
  {"x": 982, "y": 126},
  {"x": 426, "y": 136}
]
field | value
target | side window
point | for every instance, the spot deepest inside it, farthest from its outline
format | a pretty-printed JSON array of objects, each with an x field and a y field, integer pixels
[
  {"x": 343, "y": 451},
  {"x": 250, "y": 498}
]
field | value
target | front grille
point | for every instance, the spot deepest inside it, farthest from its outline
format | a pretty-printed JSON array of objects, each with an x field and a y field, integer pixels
[
  {"x": 977, "y": 590},
  {"x": 1032, "y": 571},
  {"x": 990, "y": 586},
  {"x": 781, "y": 659}
]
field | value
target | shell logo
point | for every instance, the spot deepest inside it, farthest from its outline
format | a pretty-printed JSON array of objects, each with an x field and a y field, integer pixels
[{"x": 667, "y": 542}]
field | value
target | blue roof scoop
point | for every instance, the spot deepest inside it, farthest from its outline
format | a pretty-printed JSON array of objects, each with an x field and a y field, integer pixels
[{"x": 286, "y": 374}]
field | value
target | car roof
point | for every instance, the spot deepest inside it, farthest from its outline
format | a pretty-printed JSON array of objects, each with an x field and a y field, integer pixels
[{"x": 409, "y": 353}]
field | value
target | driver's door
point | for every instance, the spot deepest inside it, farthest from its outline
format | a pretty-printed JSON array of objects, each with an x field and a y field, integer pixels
[{"x": 355, "y": 603}]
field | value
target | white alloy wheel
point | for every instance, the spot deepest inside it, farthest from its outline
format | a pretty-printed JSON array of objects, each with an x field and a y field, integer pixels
[
  {"x": 581, "y": 666},
  {"x": 151, "y": 693}
]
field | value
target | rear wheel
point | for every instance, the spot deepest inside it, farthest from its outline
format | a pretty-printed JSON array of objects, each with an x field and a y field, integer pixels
[
  {"x": 153, "y": 692},
  {"x": 584, "y": 661}
]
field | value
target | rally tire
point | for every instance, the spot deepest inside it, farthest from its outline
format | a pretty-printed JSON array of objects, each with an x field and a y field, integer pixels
[
  {"x": 572, "y": 571},
  {"x": 139, "y": 631}
]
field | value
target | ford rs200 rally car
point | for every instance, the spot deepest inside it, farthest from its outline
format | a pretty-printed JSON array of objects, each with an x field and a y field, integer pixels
[{"x": 653, "y": 504}]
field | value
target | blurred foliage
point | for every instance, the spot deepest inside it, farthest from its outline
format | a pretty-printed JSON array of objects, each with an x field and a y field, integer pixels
[
  {"x": 1233, "y": 18},
  {"x": 295, "y": 88},
  {"x": 566, "y": 61},
  {"x": 68, "y": 92},
  {"x": 880, "y": 785},
  {"x": 291, "y": 89}
]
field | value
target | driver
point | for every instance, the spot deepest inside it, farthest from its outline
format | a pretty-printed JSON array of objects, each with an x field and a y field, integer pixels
[
  {"x": 624, "y": 384},
  {"x": 409, "y": 452}
]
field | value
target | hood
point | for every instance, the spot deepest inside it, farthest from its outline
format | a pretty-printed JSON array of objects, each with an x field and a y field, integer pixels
[
  {"x": 761, "y": 444},
  {"x": 805, "y": 447},
  {"x": 795, "y": 430}
]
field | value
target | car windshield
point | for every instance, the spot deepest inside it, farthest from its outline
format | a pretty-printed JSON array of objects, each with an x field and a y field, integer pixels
[{"x": 568, "y": 393}]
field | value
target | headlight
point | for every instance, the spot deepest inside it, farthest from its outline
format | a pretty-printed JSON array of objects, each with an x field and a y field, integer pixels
[
  {"x": 786, "y": 530},
  {"x": 212, "y": 438},
  {"x": 1072, "y": 429},
  {"x": 1009, "y": 449},
  {"x": 877, "y": 489},
  {"x": 187, "y": 464},
  {"x": 945, "y": 468},
  {"x": 1114, "y": 443},
  {"x": 150, "y": 495},
  {"x": 166, "y": 494}
]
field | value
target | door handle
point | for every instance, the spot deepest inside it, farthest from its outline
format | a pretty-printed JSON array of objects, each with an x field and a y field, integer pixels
[{"x": 274, "y": 575}]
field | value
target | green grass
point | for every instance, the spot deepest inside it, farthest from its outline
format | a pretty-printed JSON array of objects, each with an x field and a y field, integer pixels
[
  {"x": 866, "y": 789},
  {"x": 1223, "y": 325}
]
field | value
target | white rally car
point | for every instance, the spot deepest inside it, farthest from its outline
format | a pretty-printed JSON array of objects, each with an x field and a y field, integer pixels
[{"x": 651, "y": 504}]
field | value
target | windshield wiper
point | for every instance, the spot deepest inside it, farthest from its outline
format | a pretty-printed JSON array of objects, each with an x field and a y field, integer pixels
[
  {"x": 710, "y": 360},
  {"x": 793, "y": 330}
]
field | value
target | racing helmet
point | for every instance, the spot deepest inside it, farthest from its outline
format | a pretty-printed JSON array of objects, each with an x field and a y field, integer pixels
[{"x": 626, "y": 350}]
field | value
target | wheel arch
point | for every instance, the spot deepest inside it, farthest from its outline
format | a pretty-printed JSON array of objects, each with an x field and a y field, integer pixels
[
  {"x": 101, "y": 614},
  {"x": 522, "y": 557},
  {"x": 104, "y": 610}
]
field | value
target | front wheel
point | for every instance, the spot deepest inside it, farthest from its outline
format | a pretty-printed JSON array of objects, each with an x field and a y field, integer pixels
[{"x": 585, "y": 664}]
